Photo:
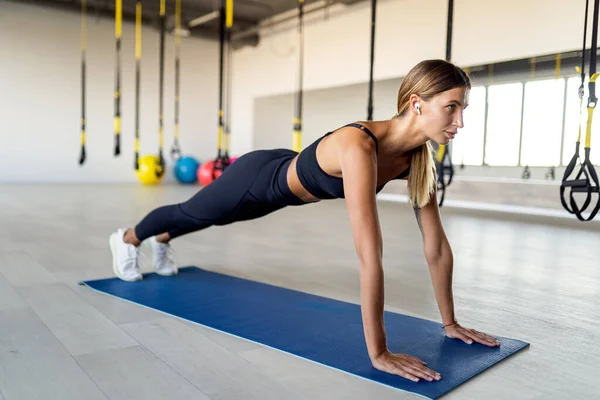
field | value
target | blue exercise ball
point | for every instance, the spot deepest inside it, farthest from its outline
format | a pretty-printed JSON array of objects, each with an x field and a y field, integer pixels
[{"x": 185, "y": 169}]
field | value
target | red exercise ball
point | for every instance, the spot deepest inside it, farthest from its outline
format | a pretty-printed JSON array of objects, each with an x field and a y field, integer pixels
[{"x": 206, "y": 173}]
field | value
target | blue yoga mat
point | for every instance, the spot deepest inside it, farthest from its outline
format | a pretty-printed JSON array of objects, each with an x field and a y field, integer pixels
[{"x": 320, "y": 329}]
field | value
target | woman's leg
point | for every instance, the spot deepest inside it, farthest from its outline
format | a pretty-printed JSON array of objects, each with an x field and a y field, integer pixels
[
  {"x": 219, "y": 203},
  {"x": 224, "y": 201}
]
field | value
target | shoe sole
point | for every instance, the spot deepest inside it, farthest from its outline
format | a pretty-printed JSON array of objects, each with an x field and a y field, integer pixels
[
  {"x": 149, "y": 245},
  {"x": 167, "y": 273},
  {"x": 113, "y": 249}
]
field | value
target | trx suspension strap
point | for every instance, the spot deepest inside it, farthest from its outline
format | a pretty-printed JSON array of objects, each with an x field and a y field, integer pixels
[
  {"x": 175, "y": 149},
  {"x": 83, "y": 49},
  {"x": 222, "y": 160},
  {"x": 160, "y": 169},
  {"x": 370, "y": 103},
  {"x": 118, "y": 30},
  {"x": 586, "y": 180},
  {"x": 297, "y": 121},
  {"x": 444, "y": 166},
  {"x": 138, "y": 57},
  {"x": 227, "y": 80}
]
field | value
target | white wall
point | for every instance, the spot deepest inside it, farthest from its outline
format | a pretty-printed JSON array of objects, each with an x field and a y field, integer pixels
[
  {"x": 40, "y": 96},
  {"x": 337, "y": 49},
  {"x": 490, "y": 31},
  {"x": 40, "y": 81}
]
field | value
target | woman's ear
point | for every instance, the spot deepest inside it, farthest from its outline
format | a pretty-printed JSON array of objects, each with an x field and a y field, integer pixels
[{"x": 415, "y": 104}]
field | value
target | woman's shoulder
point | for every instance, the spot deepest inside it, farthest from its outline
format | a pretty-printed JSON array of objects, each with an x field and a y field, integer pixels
[{"x": 359, "y": 133}]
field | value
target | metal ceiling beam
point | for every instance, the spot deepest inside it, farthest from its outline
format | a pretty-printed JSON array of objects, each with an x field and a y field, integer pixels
[
  {"x": 105, "y": 9},
  {"x": 94, "y": 8},
  {"x": 203, "y": 19},
  {"x": 282, "y": 18}
]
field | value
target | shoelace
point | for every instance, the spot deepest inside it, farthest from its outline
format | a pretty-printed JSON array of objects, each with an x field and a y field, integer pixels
[
  {"x": 166, "y": 251},
  {"x": 133, "y": 252},
  {"x": 136, "y": 253}
]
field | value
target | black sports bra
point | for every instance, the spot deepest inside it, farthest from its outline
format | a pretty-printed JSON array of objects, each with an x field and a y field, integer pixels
[{"x": 318, "y": 182}]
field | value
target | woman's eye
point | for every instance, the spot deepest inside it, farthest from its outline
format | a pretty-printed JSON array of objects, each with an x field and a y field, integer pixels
[{"x": 452, "y": 107}]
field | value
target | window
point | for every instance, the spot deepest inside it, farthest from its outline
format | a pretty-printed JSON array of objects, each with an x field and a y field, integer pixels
[
  {"x": 496, "y": 141},
  {"x": 503, "y": 124},
  {"x": 572, "y": 115},
  {"x": 542, "y": 122},
  {"x": 467, "y": 147}
]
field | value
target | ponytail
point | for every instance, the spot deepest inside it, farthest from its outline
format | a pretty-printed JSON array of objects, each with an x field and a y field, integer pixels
[{"x": 421, "y": 180}]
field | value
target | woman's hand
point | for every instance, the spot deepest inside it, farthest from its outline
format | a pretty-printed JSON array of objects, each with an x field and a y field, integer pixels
[
  {"x": 406, "y": 366},
  {"x": 470, "y": 335}
]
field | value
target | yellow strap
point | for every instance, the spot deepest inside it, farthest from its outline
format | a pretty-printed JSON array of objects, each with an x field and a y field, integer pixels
[
  {"x": 220, "y": 141},
  {"x": 440, "y": 153},
  {"x": 137, "y": 144},
  {"x": 227, "y": 142},
  {"x": 297, "y": 142},
  {"x": 163, "y": 6},
  {"x": 176, "y": 131},
  {"x": 557, "y": 66},
  {"x": 229, "y": 13},
  {"x": 118, "y": 17},
  {"x": 117, "y": 125},
  {"x": 588, "y": 131},
  {"x": 83, "y": 137},
  {"x": 532, "y": 68}
]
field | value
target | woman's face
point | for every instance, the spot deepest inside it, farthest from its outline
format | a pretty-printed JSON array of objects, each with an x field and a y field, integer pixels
[{"x": 442, "y": 115}]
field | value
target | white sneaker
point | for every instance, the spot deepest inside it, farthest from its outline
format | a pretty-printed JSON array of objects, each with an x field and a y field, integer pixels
[
  {"x": 125, "y": 258},
  {"x": 163, "y": 257}
]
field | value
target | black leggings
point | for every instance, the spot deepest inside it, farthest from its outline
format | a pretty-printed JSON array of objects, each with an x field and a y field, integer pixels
[{"x": 253, "y": 186}]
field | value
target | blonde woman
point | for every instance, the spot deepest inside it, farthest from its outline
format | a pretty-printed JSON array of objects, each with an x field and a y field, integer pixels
[{"x": 353, "y": 162}]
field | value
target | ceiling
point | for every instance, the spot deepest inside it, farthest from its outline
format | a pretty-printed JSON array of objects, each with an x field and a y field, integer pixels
[{"x": 247, "y": 13}]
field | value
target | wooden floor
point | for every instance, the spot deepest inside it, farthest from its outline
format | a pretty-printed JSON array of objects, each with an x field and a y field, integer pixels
[{"x": 59, "y": 340}]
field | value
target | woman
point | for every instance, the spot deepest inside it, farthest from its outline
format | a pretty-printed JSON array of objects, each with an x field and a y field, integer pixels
[{"x": 353, "y": 162}]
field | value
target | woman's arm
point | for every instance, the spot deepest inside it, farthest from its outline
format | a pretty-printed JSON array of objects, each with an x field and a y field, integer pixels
[
  {"x": 359, "y": 169},
  {"x": 441, "y": 263},
  {"x": 439, "y": 257}
]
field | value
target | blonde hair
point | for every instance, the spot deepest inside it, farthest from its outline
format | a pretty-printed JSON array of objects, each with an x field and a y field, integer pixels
[{"x": 427, "y": 79}]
